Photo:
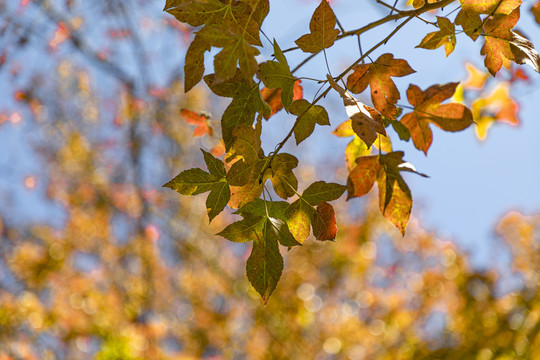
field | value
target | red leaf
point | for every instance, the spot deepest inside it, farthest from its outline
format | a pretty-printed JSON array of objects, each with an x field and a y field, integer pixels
[{"x": 324, "y": 222}]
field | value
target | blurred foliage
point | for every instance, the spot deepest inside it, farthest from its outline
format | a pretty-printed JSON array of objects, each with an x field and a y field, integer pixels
[{"x": 134, "y": 272}]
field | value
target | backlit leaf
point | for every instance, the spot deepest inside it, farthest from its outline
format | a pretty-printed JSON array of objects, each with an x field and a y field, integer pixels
[
  {"x": 321, "y": 191},
  {"x": 490, "y": 7},
  {"x": 242, "y": 231},
  {"x": 299, "y": 216},
  {"x": 428, "y": 109},
  {"x": 277, "y": 74},
  {"x": 377, "y": 75},
  {"x": 273, "y": 97},
  {"x": 309, "y": 116},
  {"x": 322, "y": 33},
  {"x": 324, "y": 222},
  {"x": 497, "y": 107},
  {"x": 446, "y": 36},
  {"x": 201, "y": 120},
  {"x": 366, "y": 122},
  {"x": 503, "y": 43},
  {"x": 265, "y": 265},
  {"x": 363, "y": 176},
  {"x": 194, "y": 64},
  {"x": 283, "y": 179}
]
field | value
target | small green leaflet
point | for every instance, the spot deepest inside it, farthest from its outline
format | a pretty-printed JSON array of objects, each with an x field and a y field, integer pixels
[
  {"x": 446, "y": 36},
  {"x": 196, "y": 181},
  {"x": 277, "y": 74},
  {"x": 308, "y": 116}
]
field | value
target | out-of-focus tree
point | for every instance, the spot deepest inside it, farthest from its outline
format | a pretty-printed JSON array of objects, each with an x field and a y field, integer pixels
[{"x": 134, "y": 272}]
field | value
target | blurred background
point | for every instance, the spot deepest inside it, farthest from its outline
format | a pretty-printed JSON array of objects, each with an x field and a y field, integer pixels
[{"x": 97, "y": 261}]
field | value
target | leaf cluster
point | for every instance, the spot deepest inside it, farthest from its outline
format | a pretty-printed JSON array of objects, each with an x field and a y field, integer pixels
[{"x": 259, "y": 90}]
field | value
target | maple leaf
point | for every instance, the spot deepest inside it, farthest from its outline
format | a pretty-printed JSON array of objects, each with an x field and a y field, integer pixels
[
  {"x": 324, "y": 222},
  {"x": 236, "y": 51},
  {"x": 490, "y": 7},
  {"x": 277, "y": 74},
  {"x": 362, "y": 176},
  {"x": 322, "y": 33},
  {"x": 273, "y": 97},
  {"x": 377, "y": 75},
  {"x": 201, "y": 120},
  {"x": 265, "y": 264},
  {"x": 244, "y": 154},
  {"x": 446, "y": 36},
  {"x": 476, "y": 79},
  {"x": 194, "y": 64},
  {"x": 232, "y": 26},
  {"x": 395, "y": 200},
  {"x": 497, "y": 107},
  {"x": 283, "y": 179},
  {"x": 196, "y": 181},
  {"x": 366, "y": 122},
  {"x": 428, "y": 109},
  {"x": 308, "y": 116},
  {"x": 471, "y": 23},
  {"x": 501, "y": 42},
  {"x": 246, "y": 103}
]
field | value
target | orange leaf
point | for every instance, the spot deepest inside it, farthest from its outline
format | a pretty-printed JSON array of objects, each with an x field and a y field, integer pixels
[
  {"x": 377, "y": 75},
  {"x": 428, "y": 108},
  {"x": 201, "y": 120},
  {"x": 273, "y": 97}
]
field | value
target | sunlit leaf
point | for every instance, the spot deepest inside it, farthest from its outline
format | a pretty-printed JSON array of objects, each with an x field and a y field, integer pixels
[
  {"x": 377, "y": 75},
  {"x": 366, "y": 122},
  {"x": 322, "y": 33},
  {"x": 446, "y": 36},
  {"x": 503, "y": 43},
  {"x": 309, "y": 116},
  {"x": 324, "y": 222},
  {"x": 428, "y": 109}
]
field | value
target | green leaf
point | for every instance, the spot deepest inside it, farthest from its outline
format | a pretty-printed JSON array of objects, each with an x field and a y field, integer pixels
[
  {"x": 322, "y": 33},
  {"x": 279, "y": 229},
  {"x": 194, "y": 64},
  {"x": 299, "y": 216},
  {"x": 308, "y": 116},
  {"x": 244, "y": 230},
  {"x": 241, "y": 111},
  {"x": 196, "y": 181},
  {"x": 215, "y": 166},
  {"x": 283, "y": 179},
  {"x": 192, "y": 182},
  {"x": 321, "y": 191},
  {"x": 277, "y": 74},
  {"x": 246, "y": 144},
  {"x": 260, "y": 207},
  {"x": 265, "y": 264},
  {"x": 218, "y": 199}
]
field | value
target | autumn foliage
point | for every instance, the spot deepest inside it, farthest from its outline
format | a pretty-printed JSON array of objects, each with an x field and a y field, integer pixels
[
  {"x": 121, "y": 268},
  {"x": 234, "y": 28}
]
